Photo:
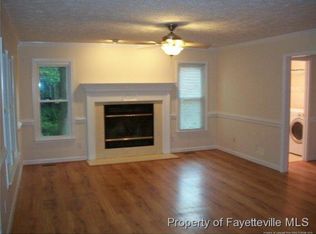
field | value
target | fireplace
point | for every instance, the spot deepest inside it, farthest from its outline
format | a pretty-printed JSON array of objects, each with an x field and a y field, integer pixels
[
  {"x": 151, "y": 100},
  {"x": 128, "y": 125}
]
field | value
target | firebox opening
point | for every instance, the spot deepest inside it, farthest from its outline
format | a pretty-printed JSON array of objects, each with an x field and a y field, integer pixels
[{"x": 128, "y": 125}]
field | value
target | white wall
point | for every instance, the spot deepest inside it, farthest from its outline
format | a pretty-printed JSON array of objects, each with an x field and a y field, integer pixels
[
  {"x": 95, "y": 63},
  {"x": 250, "y": 95}
]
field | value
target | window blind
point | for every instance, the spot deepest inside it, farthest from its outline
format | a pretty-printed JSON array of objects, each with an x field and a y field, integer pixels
[{"x": 191, "y": 96}]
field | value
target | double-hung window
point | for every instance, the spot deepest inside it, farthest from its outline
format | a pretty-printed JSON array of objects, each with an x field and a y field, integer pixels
[
  {"x": 52, "y": 99},
  {"x": 191, "y": 96}
]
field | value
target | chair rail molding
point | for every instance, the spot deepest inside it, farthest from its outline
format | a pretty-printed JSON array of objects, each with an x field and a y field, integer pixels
[
  {"x": 30, "y": 122},
  {"x": 250, "y": 119}
]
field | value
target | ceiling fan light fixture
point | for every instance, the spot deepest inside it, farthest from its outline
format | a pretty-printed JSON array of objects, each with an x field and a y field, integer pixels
[
  {"x": 172, "y": 44},
  {"x": 172, "y": 47}
]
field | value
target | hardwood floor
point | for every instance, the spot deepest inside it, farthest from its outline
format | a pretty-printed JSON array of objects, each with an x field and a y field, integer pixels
[{"x": 140, "y": 197}]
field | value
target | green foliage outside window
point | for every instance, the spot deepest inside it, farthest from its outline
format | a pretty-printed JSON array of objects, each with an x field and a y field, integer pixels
[
  {"x": 54, "y": 119},
  {"x": 54, "y": 104}
]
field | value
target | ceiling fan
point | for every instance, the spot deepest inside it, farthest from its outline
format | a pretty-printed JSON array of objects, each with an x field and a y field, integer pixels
[{"x": 172, "y": 44}]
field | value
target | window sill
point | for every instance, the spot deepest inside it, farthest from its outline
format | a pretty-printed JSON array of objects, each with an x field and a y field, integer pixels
[
  {"x": 192, "y": 130},
  {"x": 50, "y": 139}
]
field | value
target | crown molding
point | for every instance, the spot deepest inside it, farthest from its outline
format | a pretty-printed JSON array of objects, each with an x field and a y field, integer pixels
[{"x": 269, "y": 39}]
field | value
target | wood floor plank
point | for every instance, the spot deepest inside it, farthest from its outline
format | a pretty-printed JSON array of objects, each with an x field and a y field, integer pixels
[{"x": 140, "y": 197}]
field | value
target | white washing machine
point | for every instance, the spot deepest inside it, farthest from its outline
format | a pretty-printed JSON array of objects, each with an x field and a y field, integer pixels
[{"x": 296, "y": 131}]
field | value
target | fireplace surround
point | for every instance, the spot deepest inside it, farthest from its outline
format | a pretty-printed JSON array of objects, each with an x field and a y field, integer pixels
[{"x": 113, "y": 94}]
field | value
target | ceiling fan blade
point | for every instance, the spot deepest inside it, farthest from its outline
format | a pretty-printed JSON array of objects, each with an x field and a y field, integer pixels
[
  {"x": 188, "y": 44},
  {"x": 129, "y": 42},
  {"x": 191, "y": 44}
]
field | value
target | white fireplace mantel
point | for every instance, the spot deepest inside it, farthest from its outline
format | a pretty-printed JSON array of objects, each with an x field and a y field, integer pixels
[{"x": 124, "y": 93}]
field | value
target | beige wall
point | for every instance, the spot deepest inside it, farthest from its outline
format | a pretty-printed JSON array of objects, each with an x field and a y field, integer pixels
[
  {"x": 244, "y": 84},
  {"x": 94, "y": 63},
  {"x": 298, "y": 75},
  {"x": 7, "y": 195},
  {"x": 250, "y": 86}
]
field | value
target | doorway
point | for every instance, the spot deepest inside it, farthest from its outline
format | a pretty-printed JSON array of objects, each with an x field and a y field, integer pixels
[
  {"x": 298, "y": 89},
  {"x": 298, "y": 113}
]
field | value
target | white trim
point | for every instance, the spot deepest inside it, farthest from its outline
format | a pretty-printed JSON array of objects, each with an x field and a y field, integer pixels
[
  {"x": 11, "y": 172},
  {"x": 285, "y": 115},
  {"x": 212, "y": 114},
  {"x": 68, "y": 63},
  {"x": 97, "y": 44},
  {"x": 80, "y": 120},
  {"x": 174, "y": 150},
  {"x": 55, "y": 138},
  {"x": 82, "y": 44},
  {"x": 2, "y": 148},
  {"x": 100, "y": 44},
  {"x": 19, "y": 125},
  {"x": 194, "y": 148},
  {"x": 300, "y": 54},
  {"x": 307, "y": 89},
  {"x": 209, "y": 115},
  {"x": 126, "y": 93},
  {"x": 268, "y": 39},
  {"x": 27, "y": 122},
  {"x": 15, "y": 196},
  {"x": 95, "y": 88},
  {"x": 30, "y": 122},
  {"x": 53, "y": 160},
  {"x": 249, "y": 119},
  {"x": 2, "y": 156},
  {"x": 249, "y": 158}
]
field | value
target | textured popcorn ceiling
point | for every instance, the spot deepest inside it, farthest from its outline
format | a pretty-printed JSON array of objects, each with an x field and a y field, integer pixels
[{"x": 210, "y": 22}]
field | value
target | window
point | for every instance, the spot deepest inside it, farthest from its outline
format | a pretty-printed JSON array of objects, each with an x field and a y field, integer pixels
[
  {"x": 8, "y": 114},
  {"x": 52, "y": 100},
  {"x": 191, "y": 96}
]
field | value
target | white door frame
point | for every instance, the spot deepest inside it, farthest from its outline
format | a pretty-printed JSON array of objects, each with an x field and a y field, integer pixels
[{"x": 285, "y": 115}]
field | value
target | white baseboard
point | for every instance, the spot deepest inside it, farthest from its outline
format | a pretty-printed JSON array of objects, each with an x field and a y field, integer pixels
[
  {"x": 249, "y": 158},
  {"x": 53, "y": 160},
  {"x": 174, "y": 150},
  {"x": 230, "y": 151},
  {"x": 15, "y": 197},
  {"x": 195, "y": 148}
]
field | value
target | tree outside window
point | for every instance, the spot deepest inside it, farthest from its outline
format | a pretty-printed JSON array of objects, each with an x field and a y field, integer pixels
[{"x": 53, "y": 100}]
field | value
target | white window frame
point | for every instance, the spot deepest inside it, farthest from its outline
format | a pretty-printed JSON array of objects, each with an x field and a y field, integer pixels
[
  {"x": 2, "y": 147},
  {"x": 36, "y": 63},
  {"x": 204, "y": 99},
  {"x": 9, "y": 116}
]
